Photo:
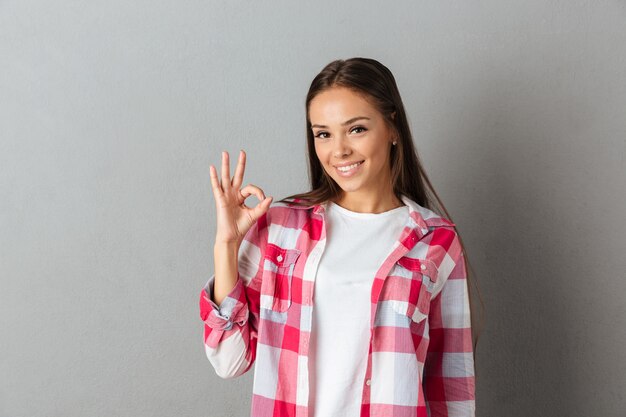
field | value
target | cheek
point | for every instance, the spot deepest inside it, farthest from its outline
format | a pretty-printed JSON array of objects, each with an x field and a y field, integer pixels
[
  {"x": 377, "y": 161},
  {"x": 321, "y": 156}
]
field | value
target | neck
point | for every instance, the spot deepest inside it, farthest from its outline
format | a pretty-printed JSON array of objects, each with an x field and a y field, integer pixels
[{"x": 373, "y": 204}]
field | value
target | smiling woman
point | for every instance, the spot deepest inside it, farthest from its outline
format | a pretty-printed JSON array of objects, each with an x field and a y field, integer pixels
[
  {"x": 351, "y": 298},
  {"x": 354, "y": 151}
]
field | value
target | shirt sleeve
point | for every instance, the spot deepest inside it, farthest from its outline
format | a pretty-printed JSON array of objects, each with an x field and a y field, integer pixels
[
  {"x": 449, "y": 381},
  {"x": 231, "y": 329}
]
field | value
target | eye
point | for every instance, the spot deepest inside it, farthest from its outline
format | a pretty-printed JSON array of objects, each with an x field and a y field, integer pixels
[
  {"x": 359, "y": 127},
  {"x": 318, "y": 135}
]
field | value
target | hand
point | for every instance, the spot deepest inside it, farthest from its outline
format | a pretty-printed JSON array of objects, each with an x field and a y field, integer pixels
[{"x": 234, "y": 218}]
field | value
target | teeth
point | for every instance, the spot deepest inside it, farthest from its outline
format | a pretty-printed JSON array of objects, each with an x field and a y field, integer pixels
[{"x": 348, "y": 168}]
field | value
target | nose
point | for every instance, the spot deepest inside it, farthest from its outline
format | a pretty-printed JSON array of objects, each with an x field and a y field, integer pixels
[{"x": 340, "y": 148}]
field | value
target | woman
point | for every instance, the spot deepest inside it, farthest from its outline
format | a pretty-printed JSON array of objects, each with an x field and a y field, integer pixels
[{"x": 351, "y": 298}]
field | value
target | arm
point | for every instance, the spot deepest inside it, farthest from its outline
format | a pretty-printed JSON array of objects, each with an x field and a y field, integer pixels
[
  {"x": 231, "y": 328},
  {"x": 449, "y": 382}
]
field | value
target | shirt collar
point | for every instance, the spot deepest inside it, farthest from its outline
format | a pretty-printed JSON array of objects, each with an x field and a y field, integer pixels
[{"x": 416, "y": 226}]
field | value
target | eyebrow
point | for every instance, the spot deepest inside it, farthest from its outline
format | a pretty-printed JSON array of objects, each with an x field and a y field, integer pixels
[{"x": 347, "y": 122}]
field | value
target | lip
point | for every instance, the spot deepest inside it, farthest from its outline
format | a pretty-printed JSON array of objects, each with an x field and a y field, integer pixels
[
  {"x": 350, "y": 173},
  {"x": 345, "y": 164}
]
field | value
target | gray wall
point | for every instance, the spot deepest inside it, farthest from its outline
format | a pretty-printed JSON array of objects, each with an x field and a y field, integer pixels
[{"x": 112, "y": 111}]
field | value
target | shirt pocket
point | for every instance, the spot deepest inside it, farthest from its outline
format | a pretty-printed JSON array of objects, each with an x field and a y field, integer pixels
[
  {"x": 410, "y": 285},
  {"x": 279, "y": 264}
]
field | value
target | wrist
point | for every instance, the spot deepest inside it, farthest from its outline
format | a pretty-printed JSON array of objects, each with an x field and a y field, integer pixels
[{"x": 226, "y": 246}]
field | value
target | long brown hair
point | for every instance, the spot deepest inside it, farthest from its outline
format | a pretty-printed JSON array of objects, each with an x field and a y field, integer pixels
[{"x": 376, "y": 83}]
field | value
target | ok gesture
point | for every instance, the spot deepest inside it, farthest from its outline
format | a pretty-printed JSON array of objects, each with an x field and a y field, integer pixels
[{"x": 234, "y": 218}]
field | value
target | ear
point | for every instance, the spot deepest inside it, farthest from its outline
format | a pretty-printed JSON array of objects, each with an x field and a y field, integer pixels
[{"x": 393, "y": 115}]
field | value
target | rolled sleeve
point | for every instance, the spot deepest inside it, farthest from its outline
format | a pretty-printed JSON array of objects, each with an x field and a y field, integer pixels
[
  {"x": 229, "y": 305},
  {"x": 233, "y": 309}
]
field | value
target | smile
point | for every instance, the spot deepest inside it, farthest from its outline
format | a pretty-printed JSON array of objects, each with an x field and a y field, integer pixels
[{"x": 349, "y": 170}]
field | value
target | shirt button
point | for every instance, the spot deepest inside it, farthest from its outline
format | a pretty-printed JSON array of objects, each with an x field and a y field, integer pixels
[
  {"x": 423, "y": 266},
  {"x": 368, "y": 382},
  {"x": 279, "y": 257}
]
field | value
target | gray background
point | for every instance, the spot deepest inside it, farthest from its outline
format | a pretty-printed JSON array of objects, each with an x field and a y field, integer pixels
[{"x": 112, "y": 111}]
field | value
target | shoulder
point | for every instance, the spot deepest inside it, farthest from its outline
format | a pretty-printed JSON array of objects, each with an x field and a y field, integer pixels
[
  {"x": 434, "y": 220},
  {"x": 286, "y": 214},
  {"x": 425, "y": 216},
  {"x": 285, "y": 223},
  {"x": 443, "y": 234},
  {"x": 442, "y": 239}
]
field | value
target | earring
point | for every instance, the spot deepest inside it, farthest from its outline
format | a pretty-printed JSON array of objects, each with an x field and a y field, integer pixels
[{"x": 394, "y": 142}]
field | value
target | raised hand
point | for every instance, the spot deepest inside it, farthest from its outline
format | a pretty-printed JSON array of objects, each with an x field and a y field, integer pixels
[{"x": 234, "y": 218}]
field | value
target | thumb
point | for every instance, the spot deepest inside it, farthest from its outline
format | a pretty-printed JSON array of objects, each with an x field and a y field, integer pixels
[{"x": 262, "y": 207}]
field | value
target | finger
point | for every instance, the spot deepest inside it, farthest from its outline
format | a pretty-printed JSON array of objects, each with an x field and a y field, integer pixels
[
  {"x": 241, "y": 167},
  {"x": 225, "y": 171},
  {"x": 215, "y": 184},
  {"x": 252, "y": 189}
]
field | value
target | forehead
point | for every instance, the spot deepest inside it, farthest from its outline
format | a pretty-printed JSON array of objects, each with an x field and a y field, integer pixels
[{"x": 338, "y": 104}]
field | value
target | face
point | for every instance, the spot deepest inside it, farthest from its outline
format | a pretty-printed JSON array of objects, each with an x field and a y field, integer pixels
[{"x": 348, "y": 129}]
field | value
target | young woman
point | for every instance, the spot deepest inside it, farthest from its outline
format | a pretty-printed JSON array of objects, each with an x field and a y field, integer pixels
[{"x": 351, "y": 298}]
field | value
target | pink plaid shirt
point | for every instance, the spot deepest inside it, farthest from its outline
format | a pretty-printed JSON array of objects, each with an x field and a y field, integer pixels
[{"x": 420, "y": 360}]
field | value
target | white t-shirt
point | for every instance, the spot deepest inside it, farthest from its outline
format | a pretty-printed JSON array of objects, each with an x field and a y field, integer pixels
[{"x": 357, "y": 244}]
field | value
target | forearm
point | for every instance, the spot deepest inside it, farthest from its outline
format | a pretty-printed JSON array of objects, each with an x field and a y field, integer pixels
[{"x": 225, "y": 262}]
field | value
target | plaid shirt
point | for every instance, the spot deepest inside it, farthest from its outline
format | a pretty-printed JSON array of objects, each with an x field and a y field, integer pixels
[{"x": 420, "y": 360}]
